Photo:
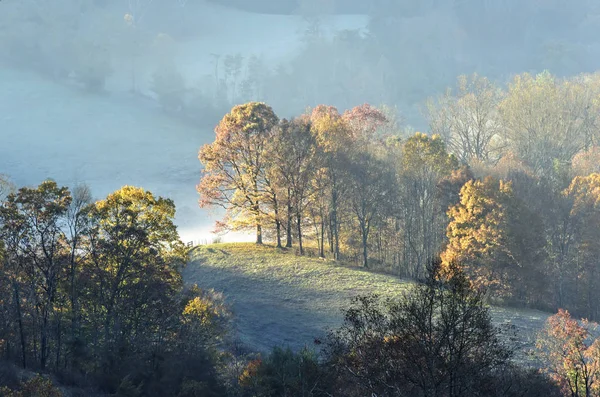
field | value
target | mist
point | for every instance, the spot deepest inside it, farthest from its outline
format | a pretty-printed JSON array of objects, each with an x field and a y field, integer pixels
[{"x": 111, "y": 93}]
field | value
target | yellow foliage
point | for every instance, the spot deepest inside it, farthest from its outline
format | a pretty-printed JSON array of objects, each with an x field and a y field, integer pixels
[
  {"x": 477, "y": 231},
  {"x": 200, "y": 309}
]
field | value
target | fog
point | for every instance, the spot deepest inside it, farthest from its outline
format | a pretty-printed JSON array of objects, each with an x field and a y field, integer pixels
[{"x": 115, "y": 92}]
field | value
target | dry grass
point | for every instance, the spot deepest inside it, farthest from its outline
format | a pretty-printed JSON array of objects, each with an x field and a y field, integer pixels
[{"x": 280, "y": 298}]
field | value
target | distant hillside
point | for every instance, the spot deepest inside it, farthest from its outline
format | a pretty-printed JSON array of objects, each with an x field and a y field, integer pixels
[{"x": 283, "y": 299}]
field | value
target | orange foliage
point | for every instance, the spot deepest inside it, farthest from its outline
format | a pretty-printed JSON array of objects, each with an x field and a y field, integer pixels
[{"x": 572, "y": 355}]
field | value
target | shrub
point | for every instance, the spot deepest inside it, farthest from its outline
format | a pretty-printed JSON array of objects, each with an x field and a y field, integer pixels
[{"x": 284, "y": 373}]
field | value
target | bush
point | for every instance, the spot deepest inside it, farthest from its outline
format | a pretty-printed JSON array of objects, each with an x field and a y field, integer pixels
[{"x": 284, "y": 373}]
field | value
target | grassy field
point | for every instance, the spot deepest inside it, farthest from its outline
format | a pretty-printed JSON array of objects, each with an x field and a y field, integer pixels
[{"x": 280, "y": 298}]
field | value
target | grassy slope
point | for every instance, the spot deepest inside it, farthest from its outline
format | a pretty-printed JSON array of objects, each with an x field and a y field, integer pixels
[{"x": 283, "y": 299}]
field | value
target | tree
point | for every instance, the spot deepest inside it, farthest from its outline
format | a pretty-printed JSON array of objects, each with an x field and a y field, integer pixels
[
  {"x": 583, "y": 195},
  {"x": 571, "y": 355},
  {"x": 437, "y": 340},
  {"x": 468, "y": 118},
  {"x": 32, "y": 224},
  {"x": 333, "y": 136},
  {"x": 294, "y": 161},
  {"x": 547, "y": 121},
  {"x": 492, "y": 234},
  {"x": 235, "y": 162},
  {"x": 373, "y": 189},
  {"x": 133, "y": 271},
  {"x": 424, "y": 163}
]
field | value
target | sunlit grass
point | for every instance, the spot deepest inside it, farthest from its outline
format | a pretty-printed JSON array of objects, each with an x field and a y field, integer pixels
[{"x": 304, "y": 273}]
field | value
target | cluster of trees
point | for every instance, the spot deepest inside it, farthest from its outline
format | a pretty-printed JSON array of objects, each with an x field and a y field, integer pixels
[
  {"x": 525, "y": 224},
  {"x": 506, "y": 185},
  {"x": 284, "y": 177},
  {"x": 92, "y": 292}
]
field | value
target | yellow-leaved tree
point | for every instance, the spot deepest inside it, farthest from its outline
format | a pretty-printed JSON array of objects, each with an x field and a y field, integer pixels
[{"x": 496, "y": 239}]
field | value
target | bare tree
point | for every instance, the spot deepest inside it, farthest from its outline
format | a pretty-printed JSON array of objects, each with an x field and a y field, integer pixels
[{"x": 467, "y": 118}]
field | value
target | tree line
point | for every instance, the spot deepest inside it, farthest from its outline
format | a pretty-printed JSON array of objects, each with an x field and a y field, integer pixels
[
  {"x": 92, "y": 292},
  {"x": 504, "y": 184}
]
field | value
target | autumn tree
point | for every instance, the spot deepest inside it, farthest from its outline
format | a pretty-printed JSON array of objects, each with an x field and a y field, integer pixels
[
  {"x": 234, "y": 165},
  {"x": 583, "y": 196},
  {"x": 468, "y": 119},
  {"x": 333, "y": 136},
  {"x": 95, "y": 289},
  {"x": 294, "y": 159},
  {"x": 424, "y": 163},
  {"x": 373, "y": 188},
  {"x": 32, "y": 226},
  {"x": 547, "y": 120},
  {"x": 491, "y": 233},
  {"x": 134, "y": 256},
  {"x": 571, "y": 354}
]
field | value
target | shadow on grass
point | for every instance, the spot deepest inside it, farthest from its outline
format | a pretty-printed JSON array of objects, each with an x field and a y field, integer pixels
[{"x": 270, "y": 312}]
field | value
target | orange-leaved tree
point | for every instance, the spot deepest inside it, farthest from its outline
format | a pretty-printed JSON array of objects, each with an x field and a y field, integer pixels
[
  {"x": 571, "y": 354},
  {"x": 234, "y": 165}
]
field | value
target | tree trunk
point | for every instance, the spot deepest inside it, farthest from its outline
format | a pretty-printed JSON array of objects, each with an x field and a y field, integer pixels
[
  {"x": 322, "y": 247},
  {"x": 259, "y": 239},
  {"x": 330, "y": 235},
  {"x": 44, "y": 342},
  {"x": 364, "y": 244},
  {"x": 335, "y": 224},
  {"x": 277, "y": 221},
  {"x": 299, "y": 225},
  {"x": 288, "y": 232},
  {"x": 278, "y": 229}
]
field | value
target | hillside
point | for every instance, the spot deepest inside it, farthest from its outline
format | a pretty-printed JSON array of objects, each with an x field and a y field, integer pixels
[{"x": 283, "y": 299}]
